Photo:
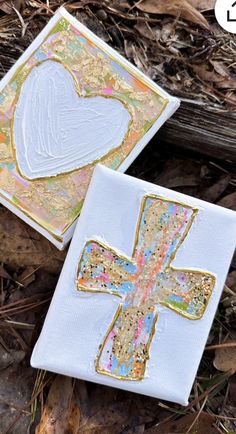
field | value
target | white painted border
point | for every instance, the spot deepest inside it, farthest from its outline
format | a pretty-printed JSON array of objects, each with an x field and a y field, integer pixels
[{"x": 171, "y": 107}]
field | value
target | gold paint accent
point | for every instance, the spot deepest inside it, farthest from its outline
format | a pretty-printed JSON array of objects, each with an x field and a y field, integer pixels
[
  {"x": 135, "y": 73},
  {"x": 172, "y": 256},
  {"x": 7, "y": 181},
  {"x": 192, "y": 271},
  {"x": 57, "y": 237},
  {"x": 114, "y": 252},
  {"x": 152, "y": 300},
  {"x": 5, "y": 155},
  {"x": 101, "y": 348},
  {"x": 77, "y": 89},
  {"x": 20, "y": 70}
]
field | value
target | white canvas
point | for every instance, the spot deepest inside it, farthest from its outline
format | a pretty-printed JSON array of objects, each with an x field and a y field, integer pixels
[
  {"x": 69, "y": 102},
  {"x": 77, "y": 321}
]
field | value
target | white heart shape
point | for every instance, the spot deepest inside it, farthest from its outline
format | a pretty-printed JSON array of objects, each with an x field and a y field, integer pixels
[{"x": 57, "y": 131}]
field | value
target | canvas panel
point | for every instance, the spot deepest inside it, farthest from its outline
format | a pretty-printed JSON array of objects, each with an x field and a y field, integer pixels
[
  {"x": 167, "y": 297},
  {"x": 69, "y": 102}
]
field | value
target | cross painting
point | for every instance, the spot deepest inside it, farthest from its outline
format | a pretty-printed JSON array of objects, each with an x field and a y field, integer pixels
[
  {"x": 143, "y": 282},
  {"x": 67, "y": 105}
]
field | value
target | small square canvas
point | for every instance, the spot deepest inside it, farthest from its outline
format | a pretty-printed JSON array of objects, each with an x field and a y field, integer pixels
[
  {"x": 139, "y": 288},
  {"x": 69, "y": 102}
]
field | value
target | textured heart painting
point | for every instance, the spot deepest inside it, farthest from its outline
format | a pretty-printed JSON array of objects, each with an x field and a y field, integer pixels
[{"x": 68, "y": 104}]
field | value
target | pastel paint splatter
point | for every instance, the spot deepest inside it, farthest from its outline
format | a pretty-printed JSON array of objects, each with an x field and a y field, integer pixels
[{"x": 144, "y": 281}]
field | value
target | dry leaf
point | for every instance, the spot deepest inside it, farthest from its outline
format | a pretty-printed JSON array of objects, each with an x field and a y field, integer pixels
[
  {"x": 203, "y": 5},
  {"x": 231, "y": 280},
  {"x": 61, "y": 413},
  {"x": 213, "y": 77},
  {"x": 7, "y": 6},
  {"x": 232, "y": 390},
  {"x": 10, "y": 357},
  {"x": 228, "y": 201},
  {"x": 219, "y": 67},
  {"x": 229, "y": 304},
  {"x": 146, "y": 31},
  {"x": 227, "y": 84},
  {"x": 167, "y": 33},
  {"x": 16, "y": 385},
  {"x": 4, "y": 274},
  {"x": 105, "y": 410},
  {"x": 206, "y": 75},
  {"x": 225, "y": 359},
  {"x": 179, "y": 173},
  {"x": 108, "y": 418},
  {"x": 22, "y": 246},
  {"x": 27, "y": 277},
  {"x": 204, "y": 424},
  {"x": 212, "y": 193},
  {"x": 176, "y": 8}
]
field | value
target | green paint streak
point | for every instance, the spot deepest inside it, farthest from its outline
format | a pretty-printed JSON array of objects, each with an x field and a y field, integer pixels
[
  {"x": 147, "y": 125},
  {"x": 179, "y": 305}
]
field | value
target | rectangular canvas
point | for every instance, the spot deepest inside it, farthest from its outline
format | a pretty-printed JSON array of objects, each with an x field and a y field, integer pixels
[
  {"x": 69, "y": 102},
  {"x": 139, "y": 288}
]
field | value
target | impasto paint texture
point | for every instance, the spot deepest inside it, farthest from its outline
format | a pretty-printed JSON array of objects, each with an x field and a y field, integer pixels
[
  {"x": 32, "y": 146},
  {"x": 58, "y": 131},
  {"x": 143, "y": 282}
]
